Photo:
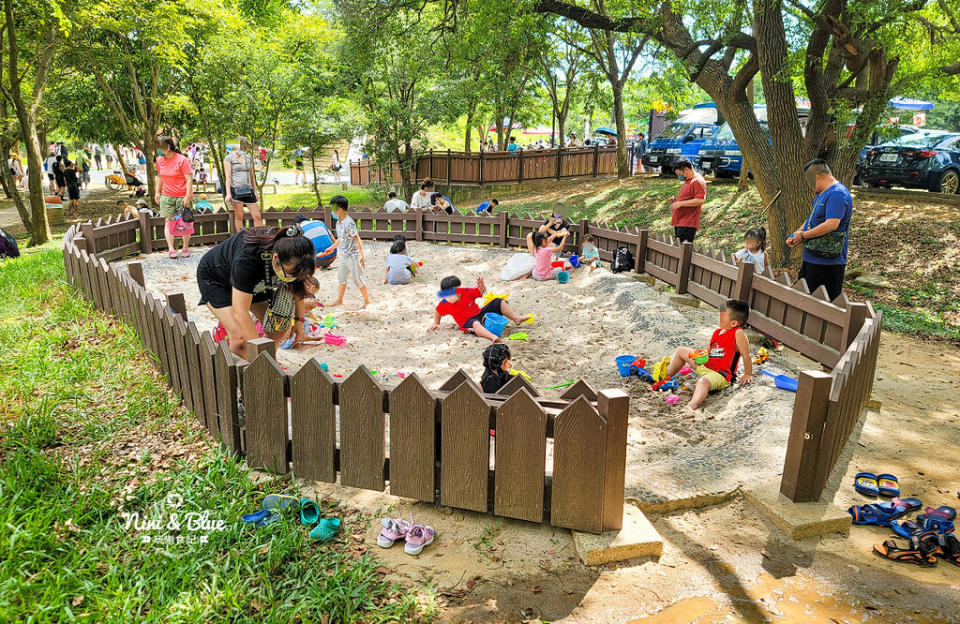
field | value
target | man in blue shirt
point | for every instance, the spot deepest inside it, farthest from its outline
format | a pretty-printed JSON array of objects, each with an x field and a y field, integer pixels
[
  {"x": 512, "y": 145},
  {"x": 832, "y": 211}
]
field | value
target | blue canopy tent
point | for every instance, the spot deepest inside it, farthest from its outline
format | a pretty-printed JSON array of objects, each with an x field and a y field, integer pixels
[
  {"x": 608, "y": 131},
  {"x": 902, "y": 103}
]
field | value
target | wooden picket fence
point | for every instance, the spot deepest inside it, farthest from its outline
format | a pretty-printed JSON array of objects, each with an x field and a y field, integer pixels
[
  {"x": 833, "y": 333},
  {"x": 557, "y": 459},
  {"x": 480, "y": 168}
]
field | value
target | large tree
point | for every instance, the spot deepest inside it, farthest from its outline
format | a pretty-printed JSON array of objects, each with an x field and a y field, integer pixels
[
  {"x": 848, "y": 52},
  {"x": 31, "y": 34},
  {"x": 560, "y": 72}
]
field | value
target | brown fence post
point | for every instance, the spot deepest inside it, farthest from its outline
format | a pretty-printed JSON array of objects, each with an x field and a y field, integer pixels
[
  {"x": 806, "y": 432},
  {"x": 258, "y": 345},
  {"x": 559, "y": 164},
  {"x": 430, "y": 175},
  {"x": 641, "y": 259},
  {"x": 480, "y": 168},
  {"x": 87, "y": 229},
  {"x": 136, "y": 272},
  {"x": 584, "y": 230},
  {"x": 520, "y": 166},
  {"x": 176, "y": 303},
  {"x": 856, "y": 316},
  {"x": 504, "y": 227},
  {"x": 146, "y": 236},
  {"x": 449, "y": 166},
  {"x": 744, "y": 285},
  {"x": 596, "y": 159},
  {"x": 614, "y": 405},
  {"x": 683, "y": 271},
  {"x": 419, "y": 225}
]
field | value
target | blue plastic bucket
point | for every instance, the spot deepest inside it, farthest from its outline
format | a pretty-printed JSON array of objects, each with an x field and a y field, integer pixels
[
  {"x": 563, "y": 277},
  {"x": 575, "y": 262},
  {"x": 495, "y": 323},
  {"x": 623, "y": 364}
]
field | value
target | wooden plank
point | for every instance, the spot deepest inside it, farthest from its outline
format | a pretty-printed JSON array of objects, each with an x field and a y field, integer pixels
[
  {"x": 464, "y": 448},
  {"x": 520, "y": 458},
  {"x": 412, "y": 435},
  {"x": 197, "y": 383},
  {"x": 183, "y": 363},
  {"x": 581, "y": 388},
  {"x": 207, "y": 351},
  {"x": 177, "y": 303},
  {"x": 175, "y": 347},
  {"x": 576, "y": 500},
  {"x": 683, "y": 273},
  {"x": 458, "y": 378},
  {"x": 806, "y": 431},
  {"x": 614, "y": 406},
  {"x": 810, "y": 348},
  {"x": 362, "y": 432},
  {"x": 517, "y": 382},
  {"x": 226, "y": 375},
  {"x": 314, "y": 423},
  {"x": 266, "y": 414},
  {"x": 744, "y": 283}
]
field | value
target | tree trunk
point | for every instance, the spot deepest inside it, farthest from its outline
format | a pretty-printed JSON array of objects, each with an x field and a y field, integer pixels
[
  {"x": 623, "y": 157},
  {"x": 313, "y": 168},
  {"x": 744, "y": 181},
  {"x": 39, "y": 226},
  {"x": 150, "y": 131},
  {"x": 469, "y": 130},
  {"x": 404, "y": 170}
]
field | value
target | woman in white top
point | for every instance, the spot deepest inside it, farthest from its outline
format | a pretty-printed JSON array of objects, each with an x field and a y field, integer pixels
[
  {"x": 423, "y": 199},
  {"x": 754, "y": 244},
  {"x": 240, "y": 189},
  {"x": 335, "y": 165}
]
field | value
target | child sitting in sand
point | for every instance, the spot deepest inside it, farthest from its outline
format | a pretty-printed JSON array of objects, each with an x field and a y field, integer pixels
[
  {"x": 461, "y": 304},
  {"x": 728, "y": 347},
  {"x": 589, "y": 254},
  {"x": 496, "y": 368},
  {"x": 400, "y": 267},
  {"x": 544, "y": 268},
  {"x": 754, "y": 242}
]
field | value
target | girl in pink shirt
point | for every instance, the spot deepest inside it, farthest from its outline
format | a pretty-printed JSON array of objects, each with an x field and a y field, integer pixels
[{"x": 538, "y": 243}]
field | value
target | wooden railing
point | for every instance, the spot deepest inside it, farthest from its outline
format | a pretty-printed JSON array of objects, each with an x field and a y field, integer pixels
[
  {"x": 829, "y": 332},
  {"x": 479, "y": 168},
  {"x": 558, "y": 459}
]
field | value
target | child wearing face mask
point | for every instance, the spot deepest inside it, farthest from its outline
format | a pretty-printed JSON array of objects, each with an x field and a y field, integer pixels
[{"x": 349, "y": 251}]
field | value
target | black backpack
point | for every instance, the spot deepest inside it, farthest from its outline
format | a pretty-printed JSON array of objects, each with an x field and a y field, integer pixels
[
  {"x": 622, "y": 260},
  {"x": 8, "y": 246}
]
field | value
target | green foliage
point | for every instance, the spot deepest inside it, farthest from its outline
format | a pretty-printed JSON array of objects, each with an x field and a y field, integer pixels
[{"x": 90, "y": 431}]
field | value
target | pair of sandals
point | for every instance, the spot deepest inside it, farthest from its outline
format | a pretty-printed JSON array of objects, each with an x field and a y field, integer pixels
[
  {"x": 883, "y": 514},
  {"x": 174, "y": 255},
  {"x": 416, "y": 537},
  {"x": 930, "y": 536},
  {"x": 873, "y": 485},
  {"x": 273, "y": 504}
]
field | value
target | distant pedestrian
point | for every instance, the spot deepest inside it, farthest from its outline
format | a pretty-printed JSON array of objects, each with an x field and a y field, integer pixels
[
  {"x": 82, "y": 161},
  {"x": 639, "y": 149},
  {"x": 336, "y": 165},
  {"x": 58, "y": 176},
  {"x": 512, "y": 145},
  {"x": 394, "y": 204},
  {"x": 71, "y": 177},
  {"x": 825, "y": 235},
  {"x": 97, "y": 155}
]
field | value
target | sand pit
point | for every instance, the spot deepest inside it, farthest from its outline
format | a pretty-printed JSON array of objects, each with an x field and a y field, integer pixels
[{"x": 580, "y": 327}]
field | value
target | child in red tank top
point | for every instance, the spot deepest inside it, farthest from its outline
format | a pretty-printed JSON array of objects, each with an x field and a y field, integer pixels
[{"x": 728, "y": 347}]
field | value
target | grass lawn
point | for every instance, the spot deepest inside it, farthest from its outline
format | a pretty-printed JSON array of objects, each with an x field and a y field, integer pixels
[{"x": 90, "y": 434}]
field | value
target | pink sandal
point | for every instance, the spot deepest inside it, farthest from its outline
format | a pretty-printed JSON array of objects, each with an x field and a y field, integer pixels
[
  {"x": 419, "y": 537},
  {"x": 393, "y": 529},
  {"x": 172, "y": 255},
  {"x": 185, "y": 253}
]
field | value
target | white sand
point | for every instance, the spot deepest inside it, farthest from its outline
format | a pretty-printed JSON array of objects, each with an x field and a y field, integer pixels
[{"x": 580, "y": 328}]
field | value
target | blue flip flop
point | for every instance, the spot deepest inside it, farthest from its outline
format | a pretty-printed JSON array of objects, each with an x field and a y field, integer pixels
[
  {"x": 888, "y": 485},
  {"x": 325, "y": 529},
  {"x": 883, "y": 514},
  {"x": 866, "y": 484},
  {"x": 266, "y": 514}
]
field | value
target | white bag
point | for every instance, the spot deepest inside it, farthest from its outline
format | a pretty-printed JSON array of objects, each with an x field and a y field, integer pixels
[{"x": 519, "y": 265}]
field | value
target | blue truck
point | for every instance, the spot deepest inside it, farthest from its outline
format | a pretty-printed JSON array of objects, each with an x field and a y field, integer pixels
[
  {"x": 682, "y": 138},
  {"x": 720, "y": 154}
]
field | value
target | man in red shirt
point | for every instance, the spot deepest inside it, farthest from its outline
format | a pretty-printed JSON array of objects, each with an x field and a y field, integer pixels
[{"x": 686, "y": 207}]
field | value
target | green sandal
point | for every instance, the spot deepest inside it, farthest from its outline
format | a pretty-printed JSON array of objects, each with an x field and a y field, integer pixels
[
  {"x": 309, "y": 512},
  {"x": 325, "y": 529}
]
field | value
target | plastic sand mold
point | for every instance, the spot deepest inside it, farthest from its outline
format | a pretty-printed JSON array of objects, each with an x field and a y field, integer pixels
[
  {"x": 490, "y": 296},
  {"x": 519, "y": 336},
  {"x": 515, "y": 372},
  {"x": 335, "y": 340}
]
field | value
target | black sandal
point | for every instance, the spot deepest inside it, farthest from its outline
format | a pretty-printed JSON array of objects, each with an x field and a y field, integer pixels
[{"x": 923, "y": 550}]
